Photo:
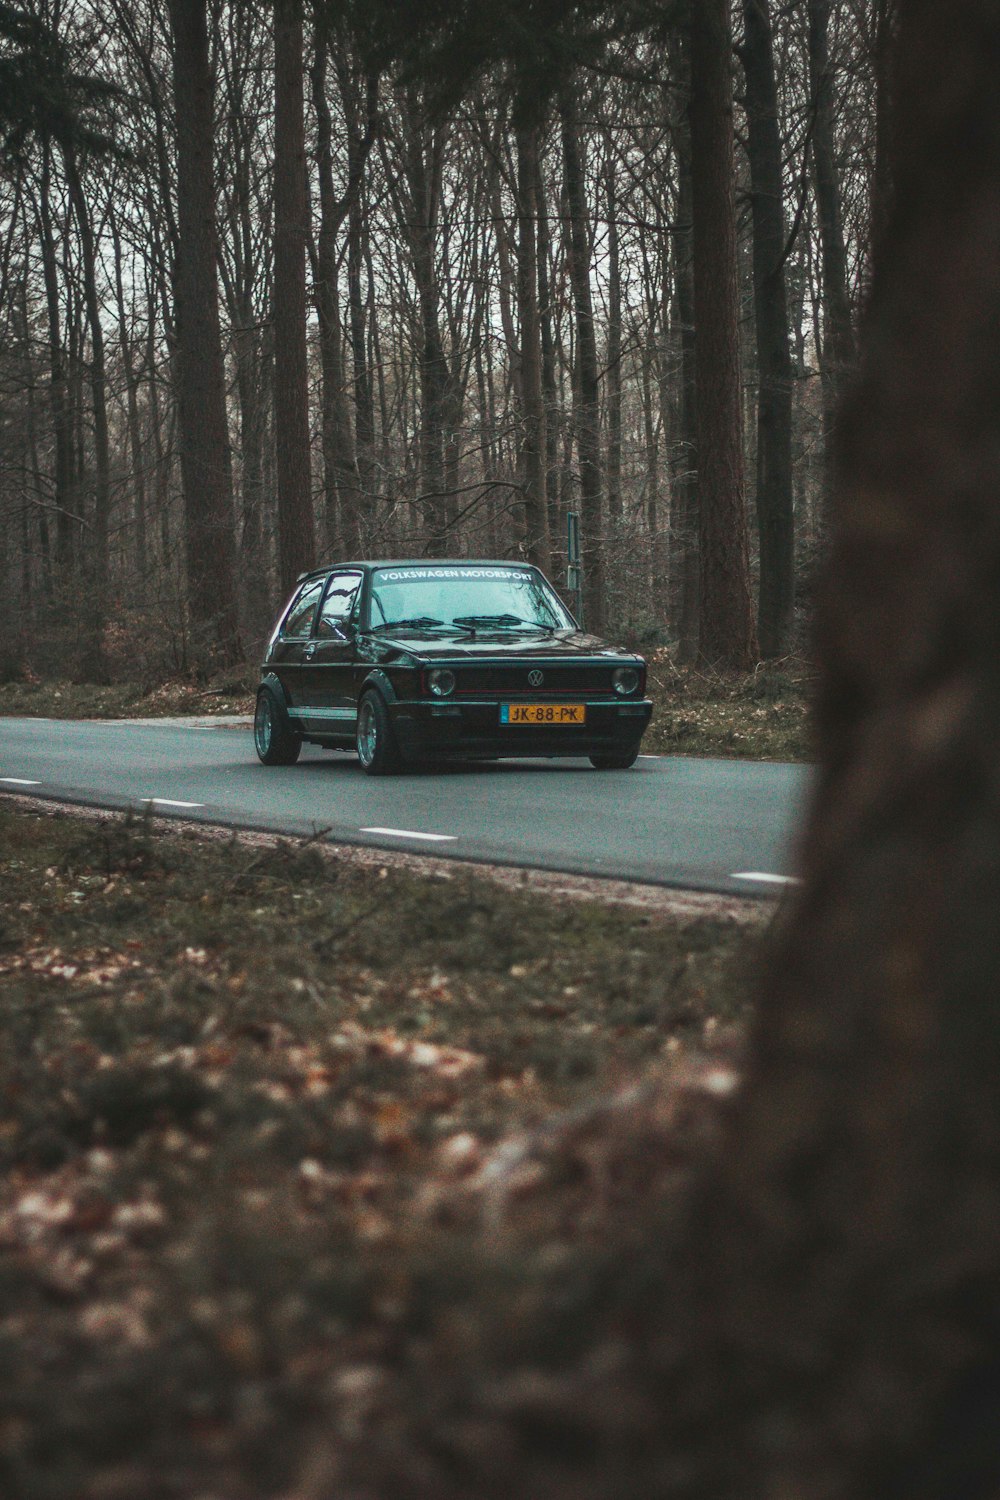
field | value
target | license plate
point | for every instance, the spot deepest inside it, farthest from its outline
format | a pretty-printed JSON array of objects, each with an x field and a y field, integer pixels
[{"x": 554, "y": 715}]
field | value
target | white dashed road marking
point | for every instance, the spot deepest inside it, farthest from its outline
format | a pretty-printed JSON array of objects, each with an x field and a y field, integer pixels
[
  {"x": 767, "y": 879},
  {"x": 409, "y": 833},
  {"x": 170, "y": 802},
  {"x": 18, "y": 781}
]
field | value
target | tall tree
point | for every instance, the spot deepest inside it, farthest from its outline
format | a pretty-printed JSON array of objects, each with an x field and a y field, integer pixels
[
  {"x": 838, "y": 351},
  {"x": 774, "y": 361},
  {"x": 296, "y": 524},
  {"x": 727, "y": 635},
  {"x": 532, "y": 447},
  {"x": 206, "y": 470},
  {"x": 586, "y": 386}
]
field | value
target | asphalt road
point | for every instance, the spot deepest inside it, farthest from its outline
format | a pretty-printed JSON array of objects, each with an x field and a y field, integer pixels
[{"x": 720, "y": 825}]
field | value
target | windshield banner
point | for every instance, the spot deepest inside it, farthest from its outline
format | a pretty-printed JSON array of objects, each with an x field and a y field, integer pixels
[{"x": 406, "y": 575}]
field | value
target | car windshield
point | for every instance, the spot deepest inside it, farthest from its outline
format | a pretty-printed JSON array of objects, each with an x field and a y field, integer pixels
[{"x": 466, "y": 598}]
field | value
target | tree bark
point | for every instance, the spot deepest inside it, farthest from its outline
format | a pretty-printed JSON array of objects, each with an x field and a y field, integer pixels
[
  {"x": 838, "y": 352},
  {"x": 58, "y": 392},
  {"x": 204, "y": 437},
  {"x": 774, "y": 362},
  {"x": 587, "y": 416},
  {"x": 532, "y": 445},
  {"x": 92, "y": 665},
  {"x": 296, "y": 525},
  {"x": 340, "y": 477},
  {"x": 613, "y": 377},
  {"x": 727, "y": 635},
  {"x": 685, "y": 500},
  {"x": 864, "y": 1165}
]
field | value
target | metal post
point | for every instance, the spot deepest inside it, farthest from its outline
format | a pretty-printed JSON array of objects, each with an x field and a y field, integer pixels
[{"x": 574, "y": 569}]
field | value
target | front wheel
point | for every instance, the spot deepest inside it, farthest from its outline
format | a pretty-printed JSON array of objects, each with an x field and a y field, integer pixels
[
  {"x": 274, "y": 739},
  {"x": 378, "y": 751},
  {"x": 616, "y": 761}
]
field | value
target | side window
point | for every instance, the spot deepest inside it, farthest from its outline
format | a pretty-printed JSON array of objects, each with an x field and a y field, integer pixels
[
  {"x": 298, "y": 621},
  {"x": 339, "y": 602}
]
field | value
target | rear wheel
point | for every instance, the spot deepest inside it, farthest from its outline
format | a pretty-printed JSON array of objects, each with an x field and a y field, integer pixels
[
  {"x": 616, "y": 761},
  {"x": 378, "y": 751},
  {"x": 274, "y": 739}
]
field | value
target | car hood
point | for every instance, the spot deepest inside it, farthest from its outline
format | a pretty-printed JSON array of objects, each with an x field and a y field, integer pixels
[{"x": 508, "y": 645}]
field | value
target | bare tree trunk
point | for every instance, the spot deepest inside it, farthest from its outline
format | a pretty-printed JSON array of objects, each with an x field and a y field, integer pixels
[
  {"x": 92, "y": 664},
  {"x": 774, "y": 363},
  {"x": 532, "y": 447},
  {"x": 885, "y": 22},
  {"x": 613, "y": 378},
  {"x": 58, "y": 394},
  {"x": 837, "y": 350},
  {"x": 204, "y": 438},
  {"x": 727, "y": 636},
  {"x": 550, "y": 392},
  {"x": 339, "y": 465},
  {"x": 587, "y": 386},
  {"x": 296, "y": 526},
  {"x": 685, "y": 508},
  {"x": 137, "y": 477}
]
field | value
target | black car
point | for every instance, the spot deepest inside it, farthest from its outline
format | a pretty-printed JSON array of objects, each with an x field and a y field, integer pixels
[{"x": 411, "y": 660}]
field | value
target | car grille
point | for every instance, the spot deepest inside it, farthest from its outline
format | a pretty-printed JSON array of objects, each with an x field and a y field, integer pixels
[{"x": 559, "y": 680}]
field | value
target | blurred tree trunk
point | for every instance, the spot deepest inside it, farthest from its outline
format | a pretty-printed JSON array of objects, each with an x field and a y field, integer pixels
[
  {"x": 856, "y": 1232},
  {"x": 774, "y": 362},
  {"x": 296, "y": 525},
  {"x": 727, "y": 635},
  {"x": 201, "y": 394}
]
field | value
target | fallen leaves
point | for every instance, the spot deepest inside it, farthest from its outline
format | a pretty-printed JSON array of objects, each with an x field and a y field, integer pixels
[{"x": 247, "y": 1165}]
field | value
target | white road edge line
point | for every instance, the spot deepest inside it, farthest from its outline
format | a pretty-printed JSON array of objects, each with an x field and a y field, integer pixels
[
  {"x": 410, "y": 833},
  {"x": 18, "y": 781},
  {"x": 171, "y": 802},
  {"x": 767, "y": 879}
]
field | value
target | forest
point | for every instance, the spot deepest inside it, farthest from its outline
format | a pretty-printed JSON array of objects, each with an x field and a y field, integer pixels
[{"x": 287, "y": 283}]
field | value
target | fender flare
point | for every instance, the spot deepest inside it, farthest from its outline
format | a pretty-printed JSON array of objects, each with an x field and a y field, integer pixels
[
  {"x": 270, "y": 680},
  {"x": 377, "y": 679}
]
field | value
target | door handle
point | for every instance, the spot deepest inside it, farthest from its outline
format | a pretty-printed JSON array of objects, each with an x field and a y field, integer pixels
[{"x": 309, "y": 650}]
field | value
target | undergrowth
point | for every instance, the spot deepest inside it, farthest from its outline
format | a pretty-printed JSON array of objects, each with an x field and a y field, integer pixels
[{"x": 294, "y": 1150}]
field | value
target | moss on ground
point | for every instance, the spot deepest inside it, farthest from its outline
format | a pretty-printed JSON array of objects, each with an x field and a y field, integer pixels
[{"x": 290, "y": 1146}]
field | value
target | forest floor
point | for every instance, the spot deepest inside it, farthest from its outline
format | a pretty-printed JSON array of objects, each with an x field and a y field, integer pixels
[
  {"x": 299, "y": 1147},
  {"x": 761, "y": 715}
]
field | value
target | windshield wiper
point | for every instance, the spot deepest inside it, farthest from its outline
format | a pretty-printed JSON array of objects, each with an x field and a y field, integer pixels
[
  {"x": 498, "y": 622},
  {"x": 417, "y": 622}
]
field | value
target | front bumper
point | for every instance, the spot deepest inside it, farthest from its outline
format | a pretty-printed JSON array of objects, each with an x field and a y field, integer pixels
[{"x": 471, "y": 728}]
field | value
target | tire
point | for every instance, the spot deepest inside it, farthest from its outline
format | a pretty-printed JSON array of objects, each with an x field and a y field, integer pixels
[
  {"x": 378, "y": 751},
  {"x": 616, "y": 761},
  {"x": 274, "y": 739}
]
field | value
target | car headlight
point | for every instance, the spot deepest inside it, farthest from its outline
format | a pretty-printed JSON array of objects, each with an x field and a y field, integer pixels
[
  {"x": 625, "y": 680},
  {"x": 441, "y": 682}
]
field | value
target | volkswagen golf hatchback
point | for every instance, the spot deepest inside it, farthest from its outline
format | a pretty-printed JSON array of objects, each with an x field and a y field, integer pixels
[{"x": 408, "y": 661}]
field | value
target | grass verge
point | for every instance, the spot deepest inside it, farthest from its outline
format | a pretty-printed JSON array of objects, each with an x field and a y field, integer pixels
[
  {"x": 279, "y": 1130},
  {"x": 762, "y": 715}
]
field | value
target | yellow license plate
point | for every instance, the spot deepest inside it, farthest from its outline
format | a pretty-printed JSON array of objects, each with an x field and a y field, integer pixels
[{"x": 553, "y": 715}]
